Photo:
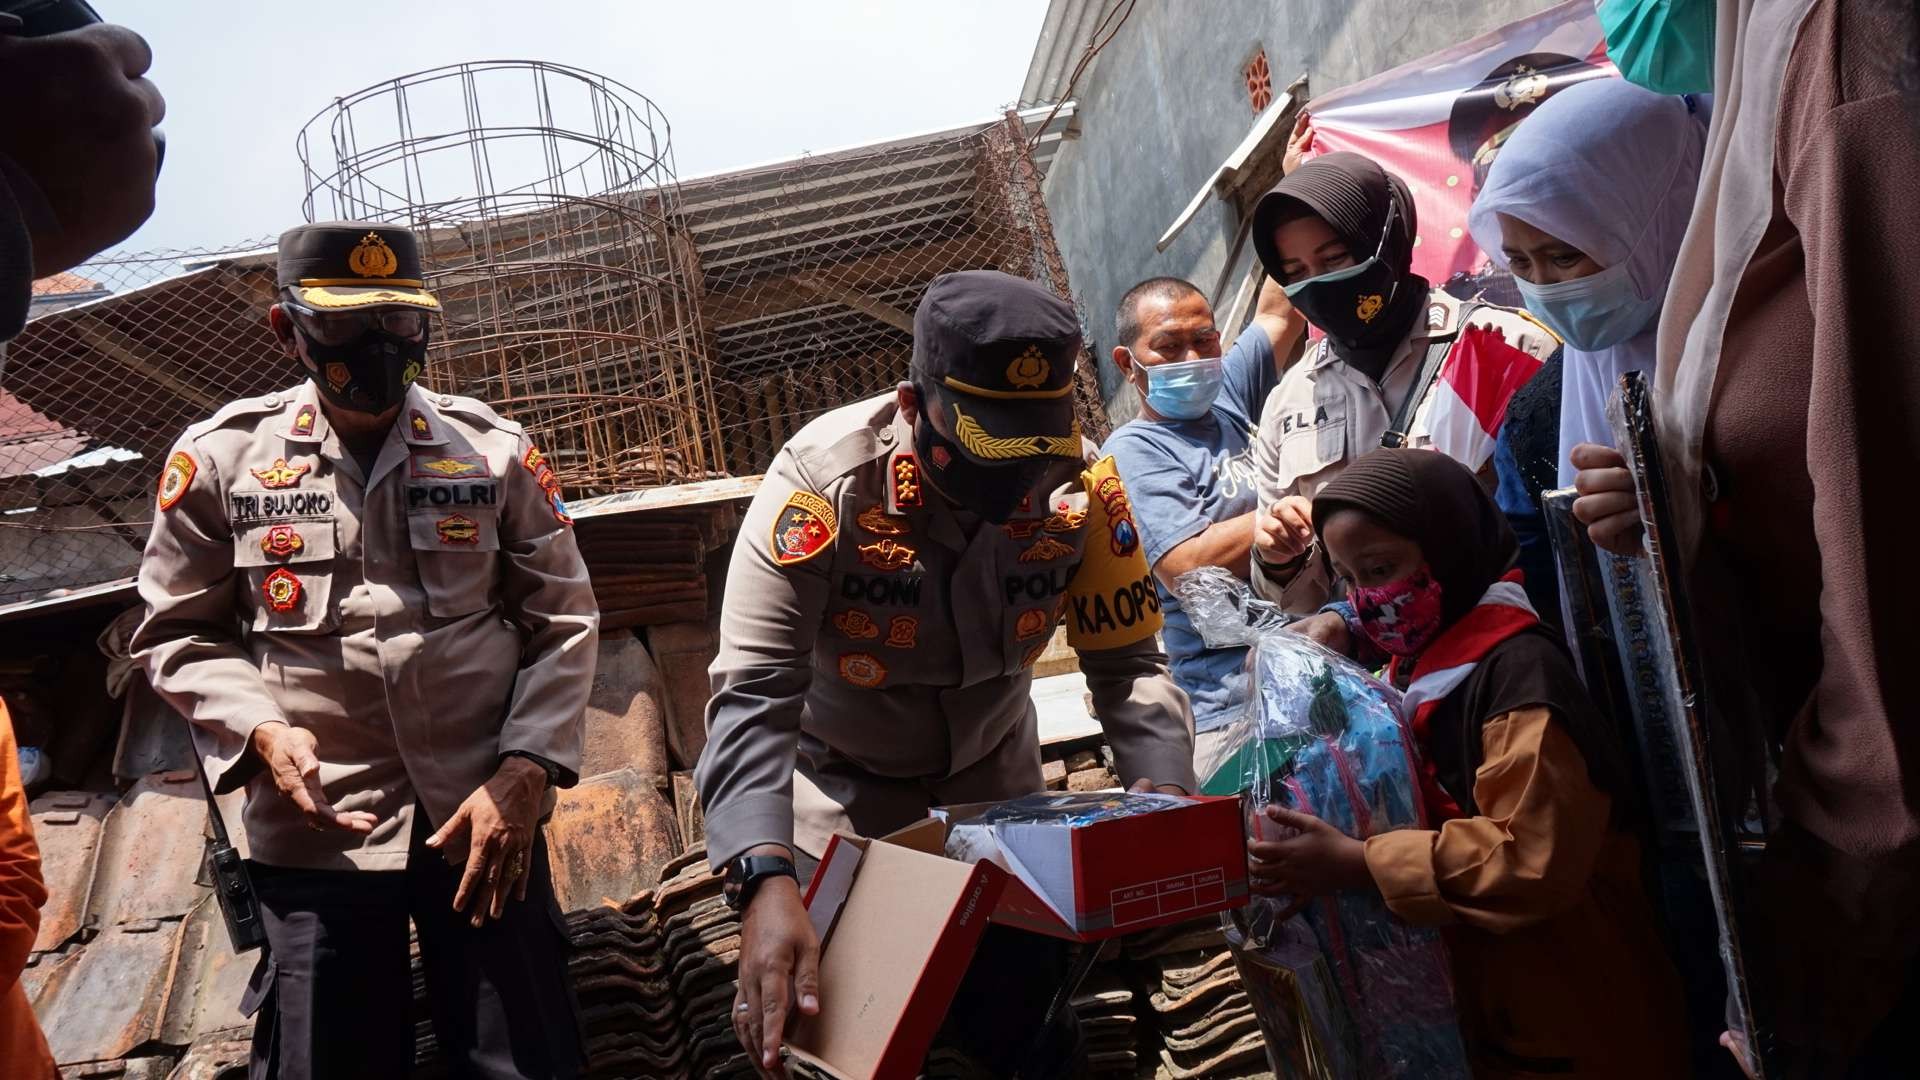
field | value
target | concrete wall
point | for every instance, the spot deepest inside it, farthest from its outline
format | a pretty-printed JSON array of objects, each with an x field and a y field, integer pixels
[{"x": 1166, "y": 103}]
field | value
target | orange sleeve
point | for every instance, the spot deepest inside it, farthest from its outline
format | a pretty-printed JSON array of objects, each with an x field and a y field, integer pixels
[
  {"x": 1529, "y": 854},
  {"x": 21, "y": 890}
]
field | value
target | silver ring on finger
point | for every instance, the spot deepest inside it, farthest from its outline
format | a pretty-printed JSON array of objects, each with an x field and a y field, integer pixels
[{"x": 742, "y": 1007}]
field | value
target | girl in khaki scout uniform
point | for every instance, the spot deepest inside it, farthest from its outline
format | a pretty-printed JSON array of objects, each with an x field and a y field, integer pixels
[{"x": 1338, "y": 233}]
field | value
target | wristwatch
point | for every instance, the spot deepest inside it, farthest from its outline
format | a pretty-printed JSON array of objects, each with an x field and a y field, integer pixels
[
  {"x": 745, "y": 874},
  {"x": 548, "y": 767}
]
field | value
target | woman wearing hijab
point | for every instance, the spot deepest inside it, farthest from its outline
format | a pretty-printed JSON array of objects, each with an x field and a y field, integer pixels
[
  {"x": 1533, "y": 875},
  {"x": 1586, "y": 206},
  {"x": 1338, "y": 232}
]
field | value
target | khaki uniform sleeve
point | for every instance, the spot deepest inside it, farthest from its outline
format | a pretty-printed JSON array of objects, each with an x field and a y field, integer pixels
[
  {"x": 1526, "y": 858},
  {"x": 548, "y": 595},
  {"x": 1312, "y": 585},
  {"x": 768, "y": 622},
  {"x": 1146, "y": 716},
  {"x": 190, "y": 642}
]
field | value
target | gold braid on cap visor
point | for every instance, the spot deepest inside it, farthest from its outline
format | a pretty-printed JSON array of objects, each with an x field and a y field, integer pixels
[{"x": 975, "y": 440}]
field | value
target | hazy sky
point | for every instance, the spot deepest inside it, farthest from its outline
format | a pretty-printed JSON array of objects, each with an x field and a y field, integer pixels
[{"x": 741, "y": 82}]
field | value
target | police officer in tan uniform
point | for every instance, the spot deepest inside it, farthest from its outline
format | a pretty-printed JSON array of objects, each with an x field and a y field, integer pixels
[
  {"x": 902, "y": 567},
  {"x": 368, "y": 599},
  {"x": 1338, "y": 233}
]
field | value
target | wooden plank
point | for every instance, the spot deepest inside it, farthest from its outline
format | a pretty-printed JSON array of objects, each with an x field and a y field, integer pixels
[{"x": 124, "y": 351}]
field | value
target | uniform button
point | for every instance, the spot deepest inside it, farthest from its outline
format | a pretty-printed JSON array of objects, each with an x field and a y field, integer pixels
[
  {"x": 272, "y": 401},
  {"x": 887, "y": 435},
  {"x": 445, "y": 401}
]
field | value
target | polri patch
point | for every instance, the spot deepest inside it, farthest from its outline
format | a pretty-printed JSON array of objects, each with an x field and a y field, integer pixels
[
  {"x": 282, "y": 590},
  {"x": 1031, "y": 623},
  {"x": 903, "y": 632},
  {"x": 457, "y": 529},
  {"x": 559, "y": 507},
  {"x": 862, "y": 669},
  {"x": 280, "y": 474},
  {"x": 804, "y": 528},
  {"x": 176, "y": 478},
  {"x": 281, "y": 542},
  {"x": 543, "y": 474},
  {"x": 451, "y": 467}
]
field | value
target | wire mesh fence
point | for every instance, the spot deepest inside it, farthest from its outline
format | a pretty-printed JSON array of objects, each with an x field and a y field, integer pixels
[{"x": 795, "y": 285}]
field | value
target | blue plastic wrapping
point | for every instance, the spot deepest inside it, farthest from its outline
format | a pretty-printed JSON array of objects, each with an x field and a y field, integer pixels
[{"x": 1344, "y": 990}]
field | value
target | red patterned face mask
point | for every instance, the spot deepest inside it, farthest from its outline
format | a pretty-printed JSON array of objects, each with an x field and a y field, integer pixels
[{"x": 1401, "y": 617}]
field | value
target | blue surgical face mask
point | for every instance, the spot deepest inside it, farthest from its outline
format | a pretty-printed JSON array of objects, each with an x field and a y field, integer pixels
[
  {"x": 1183, "y": 390},
  {"x": 1591, "y": 313},
  {"x": 1663, "y": 45}
]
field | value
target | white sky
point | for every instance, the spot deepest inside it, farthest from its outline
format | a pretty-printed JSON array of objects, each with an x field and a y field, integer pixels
[{"x": 742, "y": 81}]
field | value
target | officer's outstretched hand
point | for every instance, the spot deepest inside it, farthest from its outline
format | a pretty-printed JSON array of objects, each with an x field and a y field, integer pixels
[
  {"x": 779, "y": 961},
  {"x": 493, "y": 833},
  {"x": 288, "y": 754}
]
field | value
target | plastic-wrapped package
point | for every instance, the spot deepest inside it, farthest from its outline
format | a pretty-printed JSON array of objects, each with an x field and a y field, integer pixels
[{"x": 1321, "y": 736}]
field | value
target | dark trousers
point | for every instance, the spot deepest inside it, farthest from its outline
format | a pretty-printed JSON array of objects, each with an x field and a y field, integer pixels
[{"x": 335, "y": 993}]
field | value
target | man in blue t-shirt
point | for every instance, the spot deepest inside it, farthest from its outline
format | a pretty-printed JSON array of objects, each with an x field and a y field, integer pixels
[{"x": 1188, "y": 459}]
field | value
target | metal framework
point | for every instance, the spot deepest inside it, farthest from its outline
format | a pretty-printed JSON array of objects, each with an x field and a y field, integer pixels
[{"x": 548, "y": 207}]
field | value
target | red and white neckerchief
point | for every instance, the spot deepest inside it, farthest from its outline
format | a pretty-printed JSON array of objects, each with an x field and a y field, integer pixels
[{"x": 1502, "y": 612}]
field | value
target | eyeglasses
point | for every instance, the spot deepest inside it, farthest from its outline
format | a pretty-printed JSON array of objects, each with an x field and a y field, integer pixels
[{"x": 341, "y": 327}]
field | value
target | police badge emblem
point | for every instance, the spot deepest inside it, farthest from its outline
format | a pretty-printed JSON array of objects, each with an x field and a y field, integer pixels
[
  {"x": 282, "y": 590},
  {"x": 804, "y": 528},
  {"x": 281, "y": 541},
  {"x": 176, "y": 478},
  {"x": 280, "y": 474}
]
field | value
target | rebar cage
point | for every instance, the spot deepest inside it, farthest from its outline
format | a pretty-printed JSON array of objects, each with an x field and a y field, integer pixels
[{"x": 548, "y": 210}]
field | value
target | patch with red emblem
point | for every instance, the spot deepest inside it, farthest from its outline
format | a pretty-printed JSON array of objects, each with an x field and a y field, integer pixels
[
  {"x": 176, "y": 478},
  {"x": 902, "y": 632},
  {"x": 543, "y": 474},
  {"x": 804, "y": 527},
  {"x": 1123, "y": 536},
  {"x": 457, "y": 529},
  {"x": 906, "y": 481},
  {"x": 941, "y": 458},
  {"x": 887, "y": 555},
  {"x": 338, "y": 376},
  {"x": 856, "y": 624},
  {"x": 1031, "y": 623},
  {"x": 280, "y": 474},
  {"x": 877, "y": 521},
  {"x": 1046, "y": 549},
  {"x": 863, "y": 669},
  {"x": 281, "y": 542},
  {"x": 282, "y": 590}
]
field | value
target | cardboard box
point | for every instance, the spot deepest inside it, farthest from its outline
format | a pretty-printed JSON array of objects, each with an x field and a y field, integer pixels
[
  {"x": 899, "y": 921},
  {"x": 1118, "y": 875}
]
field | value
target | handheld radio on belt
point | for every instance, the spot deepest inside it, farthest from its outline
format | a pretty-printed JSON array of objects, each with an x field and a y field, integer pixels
[{"x": 226, "y": 871}]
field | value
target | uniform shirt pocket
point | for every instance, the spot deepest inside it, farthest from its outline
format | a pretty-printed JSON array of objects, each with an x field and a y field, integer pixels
[
  {"x": 458, "y": 555},
  {"x": 287, "y": 569}
]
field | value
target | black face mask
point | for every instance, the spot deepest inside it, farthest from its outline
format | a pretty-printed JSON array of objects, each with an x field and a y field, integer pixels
[
  {"x": 992, "y": 491},
  {"x": 369, "y": 374},
  {"x": 1352, "y": 305}
]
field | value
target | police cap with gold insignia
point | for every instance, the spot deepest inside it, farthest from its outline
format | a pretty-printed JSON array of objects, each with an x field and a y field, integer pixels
[
  {"x": 999, "y": 352},
  {"x": 338, "y": 265}
]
